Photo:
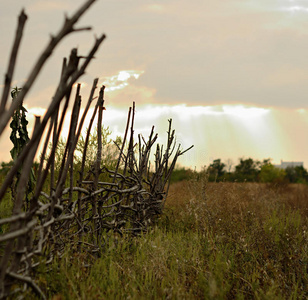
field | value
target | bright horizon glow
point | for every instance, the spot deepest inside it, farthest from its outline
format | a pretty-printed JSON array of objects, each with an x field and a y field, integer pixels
[
  {"x": 220, "y": 131},
  {"x": 242, "y": 111}
]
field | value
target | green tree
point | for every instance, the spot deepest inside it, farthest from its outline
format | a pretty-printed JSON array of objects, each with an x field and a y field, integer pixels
[
  {"x": 297, "y": 174},
  {"x": 269, "y": 173},
  {"x": 110, "y": 151},
  {"x": 247, "y": 170},
  {"x": 180, "y": 174},
  {"x": 216, "y": 170}
]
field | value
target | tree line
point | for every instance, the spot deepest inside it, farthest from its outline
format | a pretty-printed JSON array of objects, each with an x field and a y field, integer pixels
[{"x": 247, "y": 170}]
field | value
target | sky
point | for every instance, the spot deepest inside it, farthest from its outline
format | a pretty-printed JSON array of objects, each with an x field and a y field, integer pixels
[{"x": 232, "y": 75}]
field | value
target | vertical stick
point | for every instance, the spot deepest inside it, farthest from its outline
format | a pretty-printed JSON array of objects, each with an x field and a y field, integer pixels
[
  {"x": 9, "y": 75},
  {"x": 55, "y": 139},
  {"x": 84, "y": 156},
  {"x": 54, "y": 145},
  {"x": 100, "y": 104},
  {"x": 81, "y": 173},
  {"x": 123, "y": 145}
]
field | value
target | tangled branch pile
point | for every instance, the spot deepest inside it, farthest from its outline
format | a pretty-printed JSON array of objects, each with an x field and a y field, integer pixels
[{"x": 82, "y": 204}]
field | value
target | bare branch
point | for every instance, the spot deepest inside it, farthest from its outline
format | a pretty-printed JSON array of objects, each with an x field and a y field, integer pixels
[
  {"x": 19, "y": 232},
  {"x": 28, "y": 280},
  {"x": 15, "y": 218},
  {"x": 9, "y": 75},
  {"x": 53, "y": 106},
  {"x": 65, "y": 30}
]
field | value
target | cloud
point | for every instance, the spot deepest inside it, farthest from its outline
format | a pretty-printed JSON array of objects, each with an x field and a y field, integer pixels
[
  {"x": 122, "y": 89},
  {"x": 121, "y": 80},
  {"x": 35, "y": 111}
]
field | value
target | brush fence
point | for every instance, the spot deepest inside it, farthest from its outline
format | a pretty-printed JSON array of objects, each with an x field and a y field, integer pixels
[{"x": 72, "y": 206}]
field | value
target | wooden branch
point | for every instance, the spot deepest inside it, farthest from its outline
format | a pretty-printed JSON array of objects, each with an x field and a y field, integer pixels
[
  {"x": 56, "y": 100},
  {"x": 100, "y": 183},
  {"x": 43, "y": 153},
  {"x": 73, "y": 141},
  {"x": 14, "y": 218},
  {"x": 67, "y": 28},
  {"x": 182, "y": 152},
  {"x": 56, "y": 137},
  {"x": 29, "y": 281},
  {"x": 81, "y": 174},
  {"x": 123, "y": 144},
  {"x": 73, "y": 122},
  {"x": 100, "y": 103},
  {"x": 9, "y": 75},
  {"x": 75, "y": 189},
  {"x": 17, "y": 233}
]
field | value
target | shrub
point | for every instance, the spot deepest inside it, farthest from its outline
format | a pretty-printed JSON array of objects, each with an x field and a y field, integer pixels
[{"x": 271, "y": 174}]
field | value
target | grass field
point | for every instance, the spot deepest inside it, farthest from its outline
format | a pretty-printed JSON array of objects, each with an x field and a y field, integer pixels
[{"x": 214, "y": 241}]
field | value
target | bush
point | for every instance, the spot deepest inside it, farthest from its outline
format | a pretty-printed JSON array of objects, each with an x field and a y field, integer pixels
[
  {"x": 180, "y": 174},
  {"x": 297, "y": 174},
  {"x": 271, "y": 174}
]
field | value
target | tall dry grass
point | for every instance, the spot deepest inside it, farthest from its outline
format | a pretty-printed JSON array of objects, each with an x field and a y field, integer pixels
[
  {"x": 214, "y": 241},
  {"x": 258, "y": 231}
]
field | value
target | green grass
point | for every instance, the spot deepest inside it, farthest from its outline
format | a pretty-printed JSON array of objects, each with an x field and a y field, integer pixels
[
  {"x": 6, "y": 207},
  {"x": 215, "y": 241}
]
